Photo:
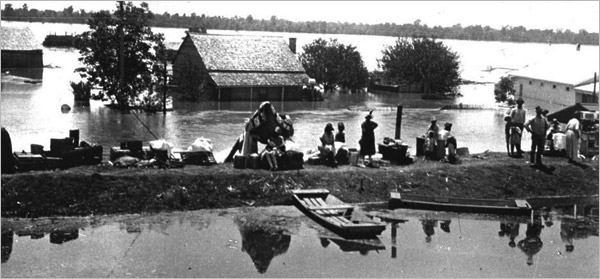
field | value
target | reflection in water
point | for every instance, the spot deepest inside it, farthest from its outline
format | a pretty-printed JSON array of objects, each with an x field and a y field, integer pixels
[
  {"x": 34, "y": 74},
  {"x": 510, "y": 229},
  {"x": 428, "y": 228},
  {"x": 7, "y": 243},
  {"x": 363, "y": 246},
  {"x": 532, "y": 243},
  {"x": 62, "y": 236},
  {"x": 576, "y": 228},
  {"x": 445, "y": 225},
  {"x": 265, "y": 233},
  {"x": 263, "y": 245}
]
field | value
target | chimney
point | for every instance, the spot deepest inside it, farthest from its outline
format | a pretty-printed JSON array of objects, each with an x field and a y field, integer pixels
[{"x": 293, "y": 45}]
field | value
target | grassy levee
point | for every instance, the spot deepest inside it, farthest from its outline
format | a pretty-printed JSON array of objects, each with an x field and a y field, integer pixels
[{"x": 98, "y": 190}]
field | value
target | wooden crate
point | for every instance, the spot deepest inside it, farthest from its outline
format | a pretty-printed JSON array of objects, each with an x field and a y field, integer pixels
[{"x": 27, "y": 162}]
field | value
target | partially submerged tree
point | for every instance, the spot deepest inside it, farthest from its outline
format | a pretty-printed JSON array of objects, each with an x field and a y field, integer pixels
[
  {"x": 421, "y": 61},
  {"x": 100, "y": 53},
  {"x": 334, "y": 64},
  {"x": 504, "y": 91}
]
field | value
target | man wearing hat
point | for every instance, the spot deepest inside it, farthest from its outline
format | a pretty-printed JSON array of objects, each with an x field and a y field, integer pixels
[
  {"x": 517, "y": 116},
  {"x": 537, "y": 126}
]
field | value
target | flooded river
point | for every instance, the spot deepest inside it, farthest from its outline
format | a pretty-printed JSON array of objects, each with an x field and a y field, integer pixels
[
  {"x": 31, "y": 112},
  {"x": 281, "y": 242}
]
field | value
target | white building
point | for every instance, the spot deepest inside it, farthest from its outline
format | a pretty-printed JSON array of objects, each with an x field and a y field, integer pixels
[{"x": 559, "y": 83}]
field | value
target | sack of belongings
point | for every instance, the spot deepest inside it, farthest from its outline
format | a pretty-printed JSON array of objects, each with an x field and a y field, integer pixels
[{"x": 201, "y": 144}]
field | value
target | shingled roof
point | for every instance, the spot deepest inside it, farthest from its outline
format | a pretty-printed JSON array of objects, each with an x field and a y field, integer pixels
[
  {"x": 246, "y": 54},
  {"x": 18, "y": 38},
  {"x": 258, "y": 79}
]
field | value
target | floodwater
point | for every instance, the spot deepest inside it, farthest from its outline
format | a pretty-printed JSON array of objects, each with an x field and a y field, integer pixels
[
  {"x": 281, "y": 242},
  {"x": 31, "y": 112}
]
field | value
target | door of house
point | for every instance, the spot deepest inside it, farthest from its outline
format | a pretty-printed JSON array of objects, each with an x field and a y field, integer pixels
[
  {"x": 262, "y": 93},
  {"x": 520, "y": 90}
]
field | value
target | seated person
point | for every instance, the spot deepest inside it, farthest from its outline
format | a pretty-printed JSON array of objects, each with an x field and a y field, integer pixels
[
  {"x": 449, "y": 141},
  {"x": 327, "y": 148},
  {"x": 342, "y": 152},
  {"x": 554, "y": 129},
  {"x": 274, "y": 147}
]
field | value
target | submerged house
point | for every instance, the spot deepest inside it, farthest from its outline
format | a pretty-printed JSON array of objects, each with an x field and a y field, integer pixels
[
  {"x": 19, "y": 48},
  {"x": 557, "y": 82},
  {"x": 240, "y": 68}
]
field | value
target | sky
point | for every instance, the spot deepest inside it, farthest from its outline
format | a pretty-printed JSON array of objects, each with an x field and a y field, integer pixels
[{"x": 555, "y": 15}]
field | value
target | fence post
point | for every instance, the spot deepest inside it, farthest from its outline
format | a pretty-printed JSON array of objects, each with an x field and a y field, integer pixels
[{"x": 398, "y": 122}]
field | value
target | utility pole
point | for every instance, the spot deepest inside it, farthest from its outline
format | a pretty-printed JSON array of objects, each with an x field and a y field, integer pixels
[
  {"x": 121, "y": 58},
  {"x": 594, "y": 92},
  {"x": 165, "y": 81}
]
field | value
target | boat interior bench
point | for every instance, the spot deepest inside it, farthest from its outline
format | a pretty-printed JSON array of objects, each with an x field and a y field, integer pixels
[
  {"x": 328, "y": 207},
  {"x": 322, "y": 208}
]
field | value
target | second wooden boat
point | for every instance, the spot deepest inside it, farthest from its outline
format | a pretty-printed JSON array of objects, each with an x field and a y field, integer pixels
[{"x": 490, "y": 206}]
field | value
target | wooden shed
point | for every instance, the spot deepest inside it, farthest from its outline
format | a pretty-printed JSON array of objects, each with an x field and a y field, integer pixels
[
  {"x": 19, "y": 48},
  {"x": 240, "y": 68}
]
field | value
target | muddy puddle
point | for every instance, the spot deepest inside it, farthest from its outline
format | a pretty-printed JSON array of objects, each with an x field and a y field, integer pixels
[{"x": 281, "y": 242}]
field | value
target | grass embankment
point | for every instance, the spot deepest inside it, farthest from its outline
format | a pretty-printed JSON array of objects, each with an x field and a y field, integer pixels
[{"x": 105, "y": 190}]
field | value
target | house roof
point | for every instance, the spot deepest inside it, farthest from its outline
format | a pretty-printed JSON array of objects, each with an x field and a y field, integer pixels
[
  {"x": 231, "y": 79},
  {"x": 18, "y": 38},
  {"x": 589, "y": 88},
  {"x": 564, "y": 115},
  {"x": 246, "y": 53},
  {"x": 572, "y": 69}
]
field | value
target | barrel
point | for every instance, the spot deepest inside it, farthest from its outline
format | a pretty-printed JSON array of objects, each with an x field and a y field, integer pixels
[
  {"x": 441, "y": 149},
  {"x": 239, "y": 161},
  {"x": 420, "y": 145},
  {"x": 254, "y": 161},
  {"x": 353, "y": 157}
]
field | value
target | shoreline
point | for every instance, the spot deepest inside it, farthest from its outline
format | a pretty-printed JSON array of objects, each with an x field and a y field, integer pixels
[{"x": 101, "y": 190}]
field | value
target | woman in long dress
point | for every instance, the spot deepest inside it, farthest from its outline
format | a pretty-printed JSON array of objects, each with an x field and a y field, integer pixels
[
  {"x": 367, "y": 140},
  {"x": 572, "y": 135}
]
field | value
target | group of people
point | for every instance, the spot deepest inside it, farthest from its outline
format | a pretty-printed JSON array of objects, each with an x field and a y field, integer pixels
[
  {"x": 435, "y": 140},
  {"x": 541, "y": 130},
  {"x": 328, "y": 150},
  {"x": 446, "y": 140}
]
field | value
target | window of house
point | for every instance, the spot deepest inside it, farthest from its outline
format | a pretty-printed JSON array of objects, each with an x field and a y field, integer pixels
[
  {"x": 530, "y": 82},
  {"x": 568, "y": 88},
  {"x": 553, "y": 86},
  {"x": 541, "y": 84}
]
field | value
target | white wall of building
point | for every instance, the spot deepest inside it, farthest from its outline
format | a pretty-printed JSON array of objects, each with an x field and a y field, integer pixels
[{"x": 543, "y": 91}]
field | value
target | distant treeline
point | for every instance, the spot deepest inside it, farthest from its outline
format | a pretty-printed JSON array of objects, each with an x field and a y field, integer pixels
[{"x": 274, "y": 24}]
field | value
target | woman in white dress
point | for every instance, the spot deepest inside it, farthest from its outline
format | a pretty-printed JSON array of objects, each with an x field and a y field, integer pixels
[{"x": 572, "y": 135}]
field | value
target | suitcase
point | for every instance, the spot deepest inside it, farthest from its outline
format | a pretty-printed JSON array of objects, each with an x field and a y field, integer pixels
[
  {"x": 28, "y": 162},
  {"x": 292, "y": 160}
]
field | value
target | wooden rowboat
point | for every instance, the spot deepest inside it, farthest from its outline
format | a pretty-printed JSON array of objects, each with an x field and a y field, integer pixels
[
  {"x": 334, "y": 215},
  {"x": 490, "y": 206}
]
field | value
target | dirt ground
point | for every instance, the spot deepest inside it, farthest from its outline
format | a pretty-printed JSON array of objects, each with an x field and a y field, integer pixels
[{"x": 98, "y": 190}]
